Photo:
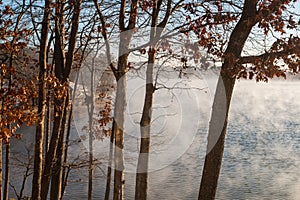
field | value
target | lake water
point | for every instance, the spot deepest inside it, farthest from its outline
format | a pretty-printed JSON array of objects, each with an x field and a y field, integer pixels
[{"x": 262, "y": 151}]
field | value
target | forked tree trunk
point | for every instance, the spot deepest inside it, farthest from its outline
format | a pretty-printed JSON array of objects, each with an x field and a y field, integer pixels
[
  {"x": 56, "y": 181},
  {"x": 141, "y": 185},
  {"x": 39, "y": 137},
  {"x": 50, "y": 156},
  {"x": 59, "y": 103},
  {"x": 126, "y": 33},
  {"x": 222, "y": 100},
  {"x": 63, "y": 64}
]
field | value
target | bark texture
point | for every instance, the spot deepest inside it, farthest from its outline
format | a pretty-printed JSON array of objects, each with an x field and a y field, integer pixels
[
  {"x": 141, "y": 185},
  {"x": 39, "y": 137},
  {"x": 126, "y": 33},
  {"x": 222, "y": 100},
  {"x": 63, "y": 63}
]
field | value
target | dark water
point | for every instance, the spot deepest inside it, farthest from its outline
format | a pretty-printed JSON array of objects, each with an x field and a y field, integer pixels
[{"x": 261, "y": 158}]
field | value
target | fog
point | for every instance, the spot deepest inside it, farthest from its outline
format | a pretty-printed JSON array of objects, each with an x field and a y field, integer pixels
[{"x": 262, "y": 150}]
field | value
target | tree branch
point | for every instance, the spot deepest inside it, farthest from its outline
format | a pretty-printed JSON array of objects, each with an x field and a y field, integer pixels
[
  {"x": 133, "y": 14},
  {"x": 122, "y": 16},
  {"x": 104, "y": 34},
  {"x": 73, "y": 37},
  {"x": 269, "y": 55}
]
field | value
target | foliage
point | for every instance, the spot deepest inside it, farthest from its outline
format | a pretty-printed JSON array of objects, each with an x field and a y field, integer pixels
[{"x": 17, "y": 94}]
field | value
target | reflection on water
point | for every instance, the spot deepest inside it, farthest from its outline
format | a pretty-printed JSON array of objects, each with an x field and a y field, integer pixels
[{"x": 261, "y": 158}]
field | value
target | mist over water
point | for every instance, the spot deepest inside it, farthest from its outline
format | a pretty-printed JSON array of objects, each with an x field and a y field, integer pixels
[{"x": 262, "y": 150}]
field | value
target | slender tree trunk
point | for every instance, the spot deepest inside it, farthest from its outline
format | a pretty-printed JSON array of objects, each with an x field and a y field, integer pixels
[
  {"x": 64, "y": 176},
  {"x": 60, "y": 103},
  {"x": 27, "y": 173},
  {"x": 141, "y": 186},
  {"x": 48, "y": 99},
  {"x": 120, "y": 101},
  {"x": 63, "y": 64},
  {"x": 119, "y": 117},
  {"x": 48, "y": 121},
  {"x": 112, "y": 137},
  {"x": 64, "y": 173},
  {"x": 1, "y": 165},
  {"x": 7, "y": 147},
  {"x": 108, "y": 176},
  {"x": 7, "y": 171},
  {"x": 38, "y": 158},
  {"x": 51, "y": 154},
  {"x": 91, "y": 135},
  {"x": 91, "y": 166},
  {"x": 39, "y": 138},
  {"x": 56, "y": 181},
  {"x": 1, "y": 141},
  {"x": 222, "y": 100}
]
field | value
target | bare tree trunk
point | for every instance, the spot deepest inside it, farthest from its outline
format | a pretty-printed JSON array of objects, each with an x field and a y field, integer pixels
[
  {"x": 120, "y": 102},
  {"x": 39, "y": 138},
  {"x": 91, "y": 166},
  {"x": 91, "y": 135},
  {"x": 48, "y": 100},
  {"x": 141, "y": 185},
  {"x": 213, "y": 159},
  {"x": 126, "y": 33},
  {"x": 56, "y": 181},
  {"x": 112, "y": 137},
  {"x": 51, "y": 154},
  {"x": 119, "y": 139},
  {"x": 7, "y": 171},
  {"x": 59, "y": 103},
  {"x": 1, "y": 165},
  {"x": 7, "y": 147},
  {"x": 221, "y": 105},
  {"x": 47, "y": 121},
  {"x": 64, "y": 173},
  {"x": 26, "y": 175},
  {"x": 108, "y": 176},
  {"x": 63, "y": 63},
  {"x": 1, "y": 141},
  {"x": 64, "y": 176}
]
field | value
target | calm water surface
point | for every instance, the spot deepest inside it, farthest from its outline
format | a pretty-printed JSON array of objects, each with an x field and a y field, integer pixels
[{"x": 262, "y": 151}]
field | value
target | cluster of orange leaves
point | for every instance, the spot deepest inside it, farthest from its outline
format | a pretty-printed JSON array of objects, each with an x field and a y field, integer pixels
[
  {"x": 16, "y": 93},
  {"x": 103, "y": 120},
  {"x": 283, "y": 57},
  {"x": 102, "y": 123},
  {"x": 271, "y": 15},
  {"x": 17, "y": 107},
  {"x": 147, "y": 4}
]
